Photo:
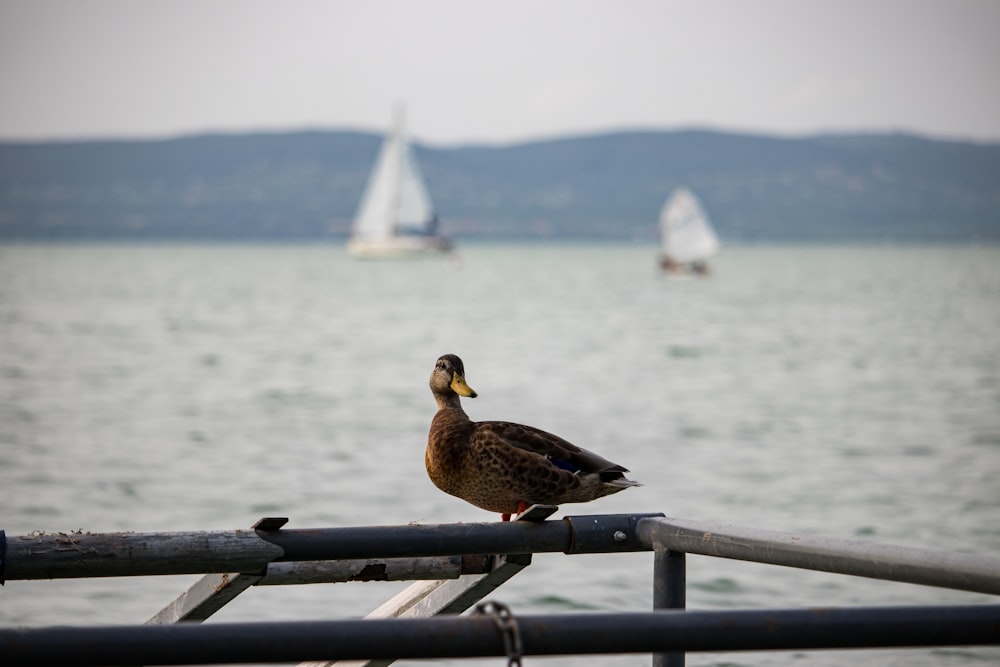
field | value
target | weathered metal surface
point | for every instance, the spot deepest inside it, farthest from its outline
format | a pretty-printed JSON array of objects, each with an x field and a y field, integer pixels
[
  {"x": 425, "y": 599},
  {"x": 960, "y": 571},
  {"x": 205, "y": 597},
  {"x": 429, "y": 598},
  {"x": 368, "y": 553},
  {"x": 372, "y": 569},
  {"x": 213, "y": 591},
  {"x": 81, "y": 554},
  {"x": 65, "y": 555},
  {"x": 477, "y": 636}
]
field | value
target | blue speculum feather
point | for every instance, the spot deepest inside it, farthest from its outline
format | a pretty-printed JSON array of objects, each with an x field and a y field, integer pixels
[{"x": 565, "y": 465}]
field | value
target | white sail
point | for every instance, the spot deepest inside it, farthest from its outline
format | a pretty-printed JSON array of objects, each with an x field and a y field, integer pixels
[
  {"x": 395, "y": 216},
  {"x": 686, "y": 232}
]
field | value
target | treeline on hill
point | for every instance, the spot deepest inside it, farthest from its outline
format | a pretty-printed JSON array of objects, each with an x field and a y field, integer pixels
[{"x": 307, "y": 185}]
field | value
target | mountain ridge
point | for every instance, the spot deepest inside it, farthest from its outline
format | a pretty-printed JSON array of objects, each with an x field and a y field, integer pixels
[{"x": 307, "y": 184}]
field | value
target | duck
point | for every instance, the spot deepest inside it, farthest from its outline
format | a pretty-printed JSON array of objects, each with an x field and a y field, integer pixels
[{"x": 505, "y": 467}]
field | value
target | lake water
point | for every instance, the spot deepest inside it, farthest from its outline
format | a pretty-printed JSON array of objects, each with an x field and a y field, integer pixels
[{"x": 841, "y": 391}]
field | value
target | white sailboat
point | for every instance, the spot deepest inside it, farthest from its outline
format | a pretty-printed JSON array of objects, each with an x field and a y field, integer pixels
[
  {"x": 687, "y": 237},
  {"x": 396, "y": 217}
]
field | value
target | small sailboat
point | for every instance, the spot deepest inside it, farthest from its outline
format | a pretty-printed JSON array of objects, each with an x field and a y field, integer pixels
[
  {"x": 687, "y": 237},
  {"x": 396, "y": 217}
]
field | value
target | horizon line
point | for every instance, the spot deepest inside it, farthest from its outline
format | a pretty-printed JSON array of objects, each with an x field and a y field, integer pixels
[{"x": 157, "y": 137}]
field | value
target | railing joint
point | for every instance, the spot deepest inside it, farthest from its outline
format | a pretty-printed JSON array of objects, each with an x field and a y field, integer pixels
[{"x": 605, "y": 533}]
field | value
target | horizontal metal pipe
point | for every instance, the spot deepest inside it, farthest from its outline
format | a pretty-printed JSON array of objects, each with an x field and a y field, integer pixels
[
  {"x": 955, "y": 570},
  {"x": 420, "y": 540},
  {"x": 476, "y": 636},
  {"x": 602, "y": 533},
  {"x": 383, "y": 569},
  {"x": 66, "y": 555}
]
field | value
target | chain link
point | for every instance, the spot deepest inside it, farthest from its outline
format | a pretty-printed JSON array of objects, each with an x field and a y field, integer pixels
[{"x": 504, "y": 619}]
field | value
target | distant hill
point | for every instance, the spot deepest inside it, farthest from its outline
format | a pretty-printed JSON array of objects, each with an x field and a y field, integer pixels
[{"x": 308, "y": 184}]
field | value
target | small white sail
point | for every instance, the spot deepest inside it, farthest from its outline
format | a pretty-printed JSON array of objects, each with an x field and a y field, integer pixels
[
  {"x": 396, "y": 216},
  {"x": 687, "y": 234}
]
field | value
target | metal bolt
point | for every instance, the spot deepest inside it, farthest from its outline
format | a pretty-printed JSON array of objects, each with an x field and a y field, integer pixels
[{"x": 620, "y": 536}]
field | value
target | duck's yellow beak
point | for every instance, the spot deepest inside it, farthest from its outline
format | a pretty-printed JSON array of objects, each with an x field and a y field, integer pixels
[{"x": 459, "y": 387}]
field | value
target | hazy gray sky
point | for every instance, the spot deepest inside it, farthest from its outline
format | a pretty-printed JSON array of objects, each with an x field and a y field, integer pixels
[{"x": 498, "y": 71}]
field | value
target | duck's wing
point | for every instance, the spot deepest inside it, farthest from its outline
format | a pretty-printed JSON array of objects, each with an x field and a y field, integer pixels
[{"x": 561, "y": 453}]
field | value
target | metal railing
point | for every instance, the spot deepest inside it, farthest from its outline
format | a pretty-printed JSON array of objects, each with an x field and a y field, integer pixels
[{"x": 404, "y": 628}]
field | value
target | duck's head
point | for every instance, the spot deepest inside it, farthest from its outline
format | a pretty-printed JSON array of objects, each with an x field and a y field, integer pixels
[{"x": 448, "y": 379}]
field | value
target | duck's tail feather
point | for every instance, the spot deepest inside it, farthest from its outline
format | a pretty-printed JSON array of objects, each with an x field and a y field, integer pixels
[{"x": 617, "y": 479}]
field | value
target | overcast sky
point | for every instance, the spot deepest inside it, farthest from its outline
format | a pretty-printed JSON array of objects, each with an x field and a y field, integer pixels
[{"x": 498, "y": 71}]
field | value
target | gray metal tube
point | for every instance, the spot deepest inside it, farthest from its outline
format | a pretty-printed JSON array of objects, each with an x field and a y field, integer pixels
[
  {"x": 66, "y": 555},
  {"x": 669, "y": 592},
  {"x": 956, "y": 570},
  {"x": 472, "y": 636},
  {"x": 384, "y": 569}
]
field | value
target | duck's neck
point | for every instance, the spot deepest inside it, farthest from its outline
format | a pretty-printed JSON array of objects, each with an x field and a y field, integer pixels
[{"x": 449, "y": 401}]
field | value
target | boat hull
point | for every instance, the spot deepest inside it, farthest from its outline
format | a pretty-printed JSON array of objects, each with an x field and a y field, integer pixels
[
  {"x": 673, "y": 268},
  {"x": 399, "y": 247}
]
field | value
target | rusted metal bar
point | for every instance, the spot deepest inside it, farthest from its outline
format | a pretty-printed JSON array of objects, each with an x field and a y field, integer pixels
[
  {"x": 69, "y": 555},
  {"x": 477, "y": 636},
  {"x": 955, "y": 570},
  {"x": 373, "y": 569}
]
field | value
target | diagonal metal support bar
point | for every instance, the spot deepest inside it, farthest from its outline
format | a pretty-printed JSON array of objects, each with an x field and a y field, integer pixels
[
  {"x": 210, "y": 593},
  {"x": 430, "y": 598},
  {"x": 205, "y": 597},
  {"x": 213, "y": 591},
  {"x": 424, "y": 599}
]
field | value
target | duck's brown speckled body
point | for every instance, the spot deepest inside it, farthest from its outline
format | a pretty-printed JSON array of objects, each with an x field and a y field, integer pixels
[{"x": 505, "y": 467}]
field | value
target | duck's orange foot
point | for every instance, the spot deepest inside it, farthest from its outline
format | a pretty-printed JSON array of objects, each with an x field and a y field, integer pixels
[{"x": 505, "y": 517}]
